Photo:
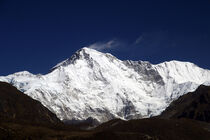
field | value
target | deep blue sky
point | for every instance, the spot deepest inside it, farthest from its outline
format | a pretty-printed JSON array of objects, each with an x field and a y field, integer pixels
[{"x": 36, "y": 35}]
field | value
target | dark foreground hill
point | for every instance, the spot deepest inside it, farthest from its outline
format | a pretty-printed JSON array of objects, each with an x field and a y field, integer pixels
[
  {"x": 142, "y": 129},
  {"x": 18, "y": 107},
  {"x": 22, "y": 118},
  {"x": 153, "y": 129},
  {"x": 194, "y": 105}
]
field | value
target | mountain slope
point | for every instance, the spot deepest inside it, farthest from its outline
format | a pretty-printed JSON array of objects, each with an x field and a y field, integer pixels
[
  {"x": 18, "y": 107},
  {"x": 97, "y": 85},
  {"x": 194, "y": 105}
]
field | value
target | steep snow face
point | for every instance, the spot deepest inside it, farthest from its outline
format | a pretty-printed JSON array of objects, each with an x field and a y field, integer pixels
[{"x": 100, "y": 86}]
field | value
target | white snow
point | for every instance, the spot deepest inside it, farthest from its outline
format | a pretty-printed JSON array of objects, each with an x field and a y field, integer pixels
[{"x": 98, "y": 85}]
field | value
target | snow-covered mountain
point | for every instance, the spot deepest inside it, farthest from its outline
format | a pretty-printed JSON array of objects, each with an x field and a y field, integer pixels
[{"x": 100, "y": 86}]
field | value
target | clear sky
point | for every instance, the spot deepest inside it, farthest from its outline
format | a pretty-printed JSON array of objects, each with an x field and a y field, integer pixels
[{"x": 37, "y": 34}]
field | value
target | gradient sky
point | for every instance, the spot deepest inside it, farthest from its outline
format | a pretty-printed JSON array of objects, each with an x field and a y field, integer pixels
[{"x": 37, "y": 34}]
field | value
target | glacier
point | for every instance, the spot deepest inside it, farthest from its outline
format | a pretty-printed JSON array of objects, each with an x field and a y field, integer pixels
[{"x": 92, "y": 84}]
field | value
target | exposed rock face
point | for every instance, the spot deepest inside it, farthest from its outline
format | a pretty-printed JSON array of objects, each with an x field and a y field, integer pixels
[
  {"x": 146, "y": 70},
  {"x": 96, "y": 85}
]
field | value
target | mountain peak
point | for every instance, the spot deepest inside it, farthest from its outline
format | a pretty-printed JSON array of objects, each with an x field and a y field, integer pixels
[
  {"x": 86, "y": 50},
  {"x": 83, "y": 53}
]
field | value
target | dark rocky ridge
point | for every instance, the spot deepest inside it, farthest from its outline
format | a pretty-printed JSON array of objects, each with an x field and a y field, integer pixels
[
  {"x": 194, "y": 105},
  {"x": 17, "y": 107}
]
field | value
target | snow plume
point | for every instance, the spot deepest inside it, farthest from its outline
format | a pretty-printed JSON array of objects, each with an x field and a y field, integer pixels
[{"x": 104, "y": 46}]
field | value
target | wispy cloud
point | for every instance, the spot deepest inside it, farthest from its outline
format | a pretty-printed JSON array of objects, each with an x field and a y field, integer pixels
[
  {"x": 148, "y": 43},
  {"x": 153, "y": 40},
  {"x": 139, "y": 39},
  {"x": 104, "y": 46}
]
